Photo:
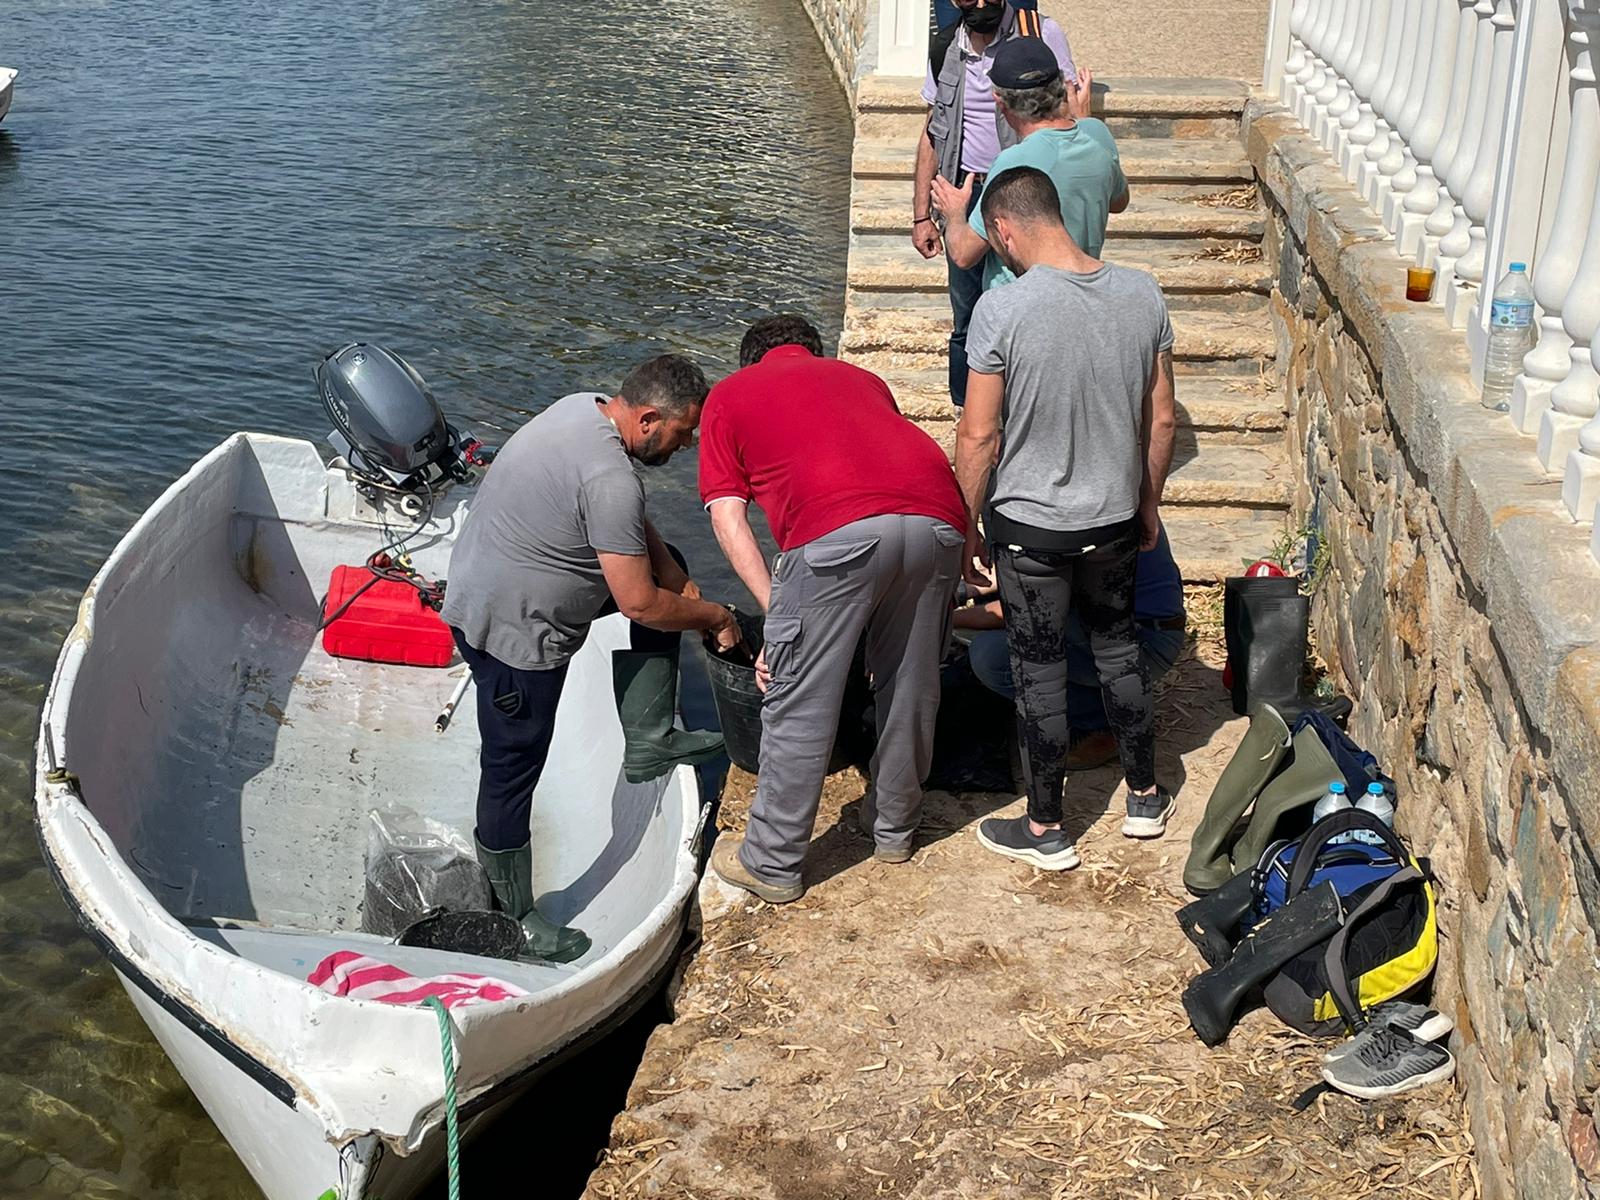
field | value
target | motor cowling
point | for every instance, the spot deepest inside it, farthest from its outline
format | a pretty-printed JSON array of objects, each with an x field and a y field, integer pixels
[{"x": 385, "y": 418}]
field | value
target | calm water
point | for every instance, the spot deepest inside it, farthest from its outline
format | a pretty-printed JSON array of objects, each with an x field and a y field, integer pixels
[{"x": 198, "y": 199}]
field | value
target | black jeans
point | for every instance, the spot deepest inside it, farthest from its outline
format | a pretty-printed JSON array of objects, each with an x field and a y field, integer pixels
[
  {"x": 516, "y": 718},
  {"x": 1040, "y": 589}
]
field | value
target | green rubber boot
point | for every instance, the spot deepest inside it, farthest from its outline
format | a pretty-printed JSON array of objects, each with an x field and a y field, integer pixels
[
  {"x": 511, "y": 878},
  {"x": 1264, "y": 747},
  {"x": 646, "y": 684},
  {"x": 1300, "y": 782}
]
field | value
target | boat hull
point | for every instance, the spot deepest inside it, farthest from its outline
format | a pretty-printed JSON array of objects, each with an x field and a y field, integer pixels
[
  {"x": 7, "y": 81},
  {"x": 203, "y": 773}
]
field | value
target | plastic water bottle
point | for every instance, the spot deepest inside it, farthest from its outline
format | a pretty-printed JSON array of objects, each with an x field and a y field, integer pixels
[
  {"x": 1510, "y": 336},
  {"x": 1377, "y": 802},
  {"x": 1332, "y": 801}
]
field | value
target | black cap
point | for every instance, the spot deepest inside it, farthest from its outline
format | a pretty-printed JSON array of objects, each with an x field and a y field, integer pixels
[{"x": 1023, "y": 62}]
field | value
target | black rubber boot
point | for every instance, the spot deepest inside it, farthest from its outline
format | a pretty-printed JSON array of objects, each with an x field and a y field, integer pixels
[
  {"x": 1212, "y": 922},
  {"x": 1265, "y": 622},
  {"x": 646, "y": 685},
  {"x": 1212, "y": 998},
  {"x": 511, "y": 879}
]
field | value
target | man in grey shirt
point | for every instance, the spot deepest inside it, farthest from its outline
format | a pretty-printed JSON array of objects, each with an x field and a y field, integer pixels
[
  {"x": 1070, "y": 403},
  {"x": 556, "y": 537}
]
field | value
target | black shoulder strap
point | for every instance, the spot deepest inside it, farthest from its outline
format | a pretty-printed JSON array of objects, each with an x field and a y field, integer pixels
[
  {"x": 1331, "y": 826},
  {"x": 1346, "y": 995},
  {"x": 1029, "y": 23},
  {"x": 939, "y": 47}
]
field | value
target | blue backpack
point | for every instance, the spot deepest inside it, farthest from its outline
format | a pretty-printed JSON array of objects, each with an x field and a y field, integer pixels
[{"x": 1389, "y": 941}]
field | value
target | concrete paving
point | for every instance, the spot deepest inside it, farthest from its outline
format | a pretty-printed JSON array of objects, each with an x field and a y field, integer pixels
[{"x": 1219, "y": 38}]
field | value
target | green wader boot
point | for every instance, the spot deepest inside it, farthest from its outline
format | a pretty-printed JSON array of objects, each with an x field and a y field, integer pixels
[
  {"x": 646, "y": 684},
  {"x": 1300, "y": 782},
  {"x": 511, "y": 878},
  {"x": 1254, "y": 763}
]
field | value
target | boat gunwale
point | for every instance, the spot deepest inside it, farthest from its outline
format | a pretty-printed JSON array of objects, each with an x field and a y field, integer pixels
[{"x": 58, "y": 797}]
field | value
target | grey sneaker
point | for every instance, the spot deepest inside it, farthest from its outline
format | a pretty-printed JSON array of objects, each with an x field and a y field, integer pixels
[
  {"x": 1386, "y": 1061},
  {"x": 1148, "y": 815},
  {"x": 1011, "y": 836},
  {"x": 1420, "y": 1021}
]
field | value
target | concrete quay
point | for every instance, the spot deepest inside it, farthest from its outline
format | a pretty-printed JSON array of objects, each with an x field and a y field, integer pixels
[{"x": 962, "y": 1026}]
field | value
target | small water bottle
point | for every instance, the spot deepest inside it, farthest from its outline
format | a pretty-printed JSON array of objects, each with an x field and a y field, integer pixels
[
  {"x": 1510, "y": 336},
  {"x": 1377, "y": 802},
  {"x": 1332, "y": 801}
]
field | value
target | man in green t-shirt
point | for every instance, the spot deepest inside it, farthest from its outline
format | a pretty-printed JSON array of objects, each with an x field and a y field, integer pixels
[{"x": 1059, "y": 138}]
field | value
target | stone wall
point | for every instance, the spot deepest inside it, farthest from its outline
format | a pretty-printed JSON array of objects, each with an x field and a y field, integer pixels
[
  {"x": 1462, "y": 611},
  {"x": 847, "y": 29}
]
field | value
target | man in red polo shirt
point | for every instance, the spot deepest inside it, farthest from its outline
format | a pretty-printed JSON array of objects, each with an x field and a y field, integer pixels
[{"x": 870, "y": 525}]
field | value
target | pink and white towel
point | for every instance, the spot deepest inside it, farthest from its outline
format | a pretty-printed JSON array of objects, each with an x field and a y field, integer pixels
[{"x": 346, "y": 973}]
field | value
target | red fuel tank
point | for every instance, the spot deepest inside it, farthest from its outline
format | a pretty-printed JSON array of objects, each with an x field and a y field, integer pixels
[{"x": 387, "y": 622}]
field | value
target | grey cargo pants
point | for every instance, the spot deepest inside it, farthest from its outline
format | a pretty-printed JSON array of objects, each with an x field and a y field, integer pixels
[{"x": 893, "y": 578}]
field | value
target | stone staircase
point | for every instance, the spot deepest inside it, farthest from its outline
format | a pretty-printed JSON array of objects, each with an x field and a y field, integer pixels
[{"x": 1194, "y": 222}]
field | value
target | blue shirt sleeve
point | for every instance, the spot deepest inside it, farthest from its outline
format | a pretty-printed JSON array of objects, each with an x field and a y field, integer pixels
[{"x": 1006, "y": 159}]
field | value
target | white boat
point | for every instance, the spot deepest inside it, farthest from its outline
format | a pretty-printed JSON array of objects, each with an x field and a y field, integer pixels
[
  {"x": 203, "y": 774},
  {"x": 8, "y": 76}
]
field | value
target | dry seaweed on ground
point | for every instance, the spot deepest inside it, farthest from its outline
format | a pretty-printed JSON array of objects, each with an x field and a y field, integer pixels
[
  {"x": 1240, "y": 197},
  {"x": 1231, "y": 252}
]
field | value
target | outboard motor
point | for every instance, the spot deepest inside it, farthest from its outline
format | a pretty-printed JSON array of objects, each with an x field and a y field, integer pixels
[{"x": 387, "y": 425}]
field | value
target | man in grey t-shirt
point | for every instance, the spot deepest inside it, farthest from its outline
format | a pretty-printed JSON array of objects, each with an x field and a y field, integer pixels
[
  {"x": 557, "y": 536},
  {"x": 1070, "y": 404}
]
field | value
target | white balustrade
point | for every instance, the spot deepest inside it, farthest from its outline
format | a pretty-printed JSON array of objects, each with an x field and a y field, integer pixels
[
  {"x": 1445, "y": 115},
  {"x": 1344, "y": 98},
  {"x": 1546, "y": 364},
  {"x": 1329, "y": 91},
  {"x": 1573, "y": 401},
  {"x": 1398, "y": 158},
  {"x": 1459, "y": 240},
  {"x": 1316, "y": 40},
  {"x": 1442, "y": 219},
  {"x": 1289, "y": 86},
  {"x": 1388, "y": 76},
  {"x": 1349, "y": 104},
  {"x": 1480, "y": 187},
  {"x": 1366, "y": 78},
  {"x": 1405, "y": 179},
  {"x": 1418, "y": 203}
]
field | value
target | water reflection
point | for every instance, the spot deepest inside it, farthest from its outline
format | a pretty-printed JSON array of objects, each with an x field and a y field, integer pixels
[{"x": 198, "y": 200}]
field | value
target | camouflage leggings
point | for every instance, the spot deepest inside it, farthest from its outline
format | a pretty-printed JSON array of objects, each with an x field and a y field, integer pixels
[{"x": 1040, "y": 589}]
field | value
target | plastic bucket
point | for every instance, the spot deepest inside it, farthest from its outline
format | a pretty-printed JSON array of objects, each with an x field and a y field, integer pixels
[{"x": 738, "y": 701}]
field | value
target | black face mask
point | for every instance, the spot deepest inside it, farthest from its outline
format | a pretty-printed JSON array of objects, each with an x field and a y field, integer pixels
[{"x": 983, "y": 20}]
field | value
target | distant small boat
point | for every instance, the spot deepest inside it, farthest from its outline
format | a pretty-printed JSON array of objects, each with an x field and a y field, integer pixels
[
  {"x": 8, "y": 76},
  {"x": 203, "y": 773}
]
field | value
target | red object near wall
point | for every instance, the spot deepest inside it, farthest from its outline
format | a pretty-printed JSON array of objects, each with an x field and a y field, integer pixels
[{"x": 386, "y": 623}]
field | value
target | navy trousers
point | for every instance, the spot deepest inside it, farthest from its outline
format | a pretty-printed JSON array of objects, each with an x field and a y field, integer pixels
[{"x": 516, "y": 718}]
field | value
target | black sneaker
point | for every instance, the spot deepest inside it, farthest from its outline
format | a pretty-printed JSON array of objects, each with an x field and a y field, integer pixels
[
  {"x": 1421, "y": 1022},
  {"x": 1384, "y": 1060},
  {"x": 1148, "y": 815},
  {"x": 1011, "y": 836}
]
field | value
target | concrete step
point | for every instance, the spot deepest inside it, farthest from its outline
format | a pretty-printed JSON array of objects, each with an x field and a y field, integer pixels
[
  {"x": 893, "y": 108},
  {"x": 1155, "y": 211},
  {"x": 1127, "y": 96},
  {"x": 1217, "y": 409},
  {"x": 1144, "y": 160},
  {"x": 1199, "y": 266},
  {"x": 1204, "y": 473},
  {"x": 887, "y": 339},
  {"x": 1212, "y": 543}
]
